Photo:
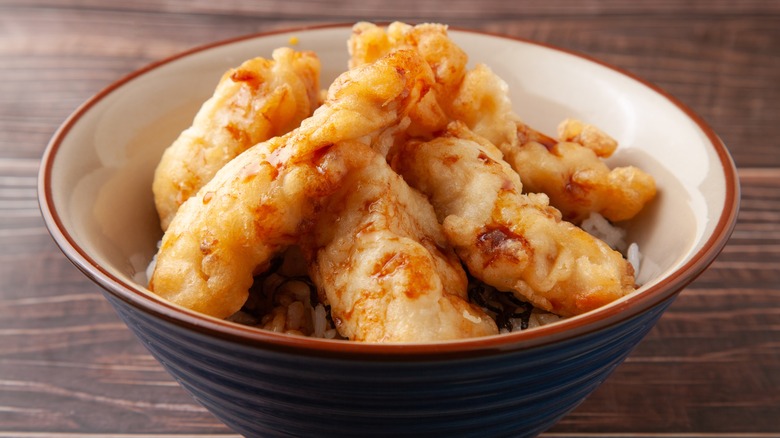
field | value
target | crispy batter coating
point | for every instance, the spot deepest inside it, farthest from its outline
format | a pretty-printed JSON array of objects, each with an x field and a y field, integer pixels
[
  {"x": 572, "y": 174},
  {"x": 369, "y": 42},
  {"x": 482, "y": 103},
  {"x": 448, "y": 62},
  {"x": 381, "y": 258},
  {"x": 260, "y": 99},
  {"x": 587, "y": 135},
  {"x": 569, "y": 170},
  {"x": 264, "y": 199},
  {"x": 510, "y": 240}
]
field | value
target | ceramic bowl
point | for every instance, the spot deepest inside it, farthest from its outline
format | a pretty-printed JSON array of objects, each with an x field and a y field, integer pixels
[{"x": 96, "y": 200}]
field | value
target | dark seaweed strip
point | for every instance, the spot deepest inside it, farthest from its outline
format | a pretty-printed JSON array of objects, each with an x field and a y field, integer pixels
[
  {"x": 259, "y": 303},
  {"x": 478, "y": 293},
  {"x": 502, "y": 306}
]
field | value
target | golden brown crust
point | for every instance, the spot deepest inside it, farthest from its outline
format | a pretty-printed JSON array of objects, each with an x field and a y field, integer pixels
[
  {"x": 575, "y": 178},
  {"x": 510, "y": 240},
  {"x": 262, "y": 200},
  {"x": 448, "y": 62},
  {"x": 381, "y": 259},
  {"x": 570, "y": 169},
  {"x": 260, "y": 99}
]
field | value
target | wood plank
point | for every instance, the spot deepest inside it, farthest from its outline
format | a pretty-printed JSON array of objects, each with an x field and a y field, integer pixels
[{"x": 464, "y": 9}]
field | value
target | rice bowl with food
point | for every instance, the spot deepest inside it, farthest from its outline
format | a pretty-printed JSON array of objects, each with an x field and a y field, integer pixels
[{"x": 95, "y": 197}]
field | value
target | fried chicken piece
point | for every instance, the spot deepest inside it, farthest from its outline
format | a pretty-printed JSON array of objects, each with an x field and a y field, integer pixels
[
  {"x": 381, "y": 258},
  {"x": 586, "y": 135},
  {"x": 448, "y": 62},
  {"x": 513, "y": 241},
  {"x": 572, "y": 174},
  {"x": 569, "y": 170},
  {"x": 264, "y": 199},
  {"x": 482, "y": 103},
  {"x": 260, "y": 99}
]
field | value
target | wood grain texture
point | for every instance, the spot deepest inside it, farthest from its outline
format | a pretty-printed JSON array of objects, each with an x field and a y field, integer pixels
[
  {"x": 414, "y": 9},
  {"x": 711, "y": 367}
]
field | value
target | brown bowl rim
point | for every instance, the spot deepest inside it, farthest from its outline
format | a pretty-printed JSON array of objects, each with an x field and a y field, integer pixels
[{"x": 591, "y": 322}]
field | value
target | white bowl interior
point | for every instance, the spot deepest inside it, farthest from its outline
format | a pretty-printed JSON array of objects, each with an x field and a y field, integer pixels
[{"x": 101, "y": 178}]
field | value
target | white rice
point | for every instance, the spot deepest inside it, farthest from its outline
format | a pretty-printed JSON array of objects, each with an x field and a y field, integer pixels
[
  {"x": 320, "y": 321},
  {"x": 634, "y": 257},
  {"x": 150, "y": 267},
  {"x": 598, "y": 226},
  {"x": 539, "y": 318}
]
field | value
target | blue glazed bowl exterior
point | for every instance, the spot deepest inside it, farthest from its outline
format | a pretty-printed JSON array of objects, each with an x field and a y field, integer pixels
[{"x": 270, "y": 393}]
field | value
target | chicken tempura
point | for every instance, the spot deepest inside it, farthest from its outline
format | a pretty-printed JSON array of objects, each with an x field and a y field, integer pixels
[
  {"x": 368, "y": 42},
  {"x": 258, "y": 100},
  {"x": 380, "y": 256},
  {"x": 569, "y": 170},
  {"x": 264, "y": 199},
  {"x": 512, "y": 241}
]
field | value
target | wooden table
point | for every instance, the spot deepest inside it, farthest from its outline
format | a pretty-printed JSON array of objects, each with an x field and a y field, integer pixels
[{"x": 69, "y": 367}]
